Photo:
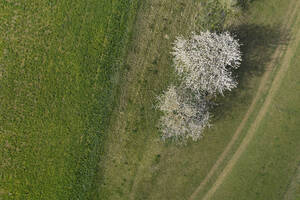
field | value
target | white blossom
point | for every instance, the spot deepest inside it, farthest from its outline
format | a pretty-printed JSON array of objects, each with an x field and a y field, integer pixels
[
  {"x": 183, "y": 116},
  {"x": 205, "y": 61}
]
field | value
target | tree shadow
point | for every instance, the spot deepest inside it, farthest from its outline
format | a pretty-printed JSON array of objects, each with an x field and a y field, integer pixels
[
  {"x": 259, "y": 42},
  {"x": 258, "y": 45}
]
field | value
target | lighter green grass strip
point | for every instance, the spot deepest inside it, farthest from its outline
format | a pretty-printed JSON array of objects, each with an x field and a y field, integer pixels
[{"x": 275, "y": 85}]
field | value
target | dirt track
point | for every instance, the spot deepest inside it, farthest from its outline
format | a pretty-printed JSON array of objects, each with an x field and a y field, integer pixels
[{"x": 275, "y": 84}]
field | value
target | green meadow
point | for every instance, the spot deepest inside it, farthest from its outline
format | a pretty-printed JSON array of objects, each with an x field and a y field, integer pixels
[
  {"x": 79, "y": 82},
  {"x": 57, "y": 60}
]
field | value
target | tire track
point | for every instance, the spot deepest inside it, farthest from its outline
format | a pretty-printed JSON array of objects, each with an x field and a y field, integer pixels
[
  {"x": 278, "y": 53},
  {"x": 293, "y": 190},
  {"x": 274, "y": 87}
]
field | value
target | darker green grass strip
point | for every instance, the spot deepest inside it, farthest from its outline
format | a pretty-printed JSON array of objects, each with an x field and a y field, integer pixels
[{"x": 57, "y": 60}]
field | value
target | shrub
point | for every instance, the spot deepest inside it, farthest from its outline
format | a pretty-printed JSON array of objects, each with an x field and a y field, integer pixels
[{"x": 212, "y": 16}]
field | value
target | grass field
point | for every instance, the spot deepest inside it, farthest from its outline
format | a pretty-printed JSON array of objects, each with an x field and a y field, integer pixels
[
  {"x": 281, "y": 59},
  {"x": 137, "y": 164},
  {"x": 293, "y": 190},
  {"x": 56, "y": 63},
  {"x": 78, "y": 85},
  {"x": 268, "y": 166},
  {"x": 273, "y": 155}
]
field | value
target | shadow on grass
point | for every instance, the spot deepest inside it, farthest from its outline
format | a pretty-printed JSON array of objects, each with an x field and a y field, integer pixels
[{"x": 259, "y": 42}]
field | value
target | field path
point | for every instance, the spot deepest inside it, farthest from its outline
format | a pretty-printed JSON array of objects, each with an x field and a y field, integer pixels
[
  {"x": 294, "y": 187},
  {"x": 275, "y": 84}
]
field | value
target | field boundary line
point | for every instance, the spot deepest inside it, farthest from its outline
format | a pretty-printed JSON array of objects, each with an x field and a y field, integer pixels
[
  {"x": 251, "y": 132},
  {"x": 265, "y": 78}
]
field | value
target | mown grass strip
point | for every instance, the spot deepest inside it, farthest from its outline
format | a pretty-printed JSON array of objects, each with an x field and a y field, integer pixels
[{"x": 266, "y": 168}]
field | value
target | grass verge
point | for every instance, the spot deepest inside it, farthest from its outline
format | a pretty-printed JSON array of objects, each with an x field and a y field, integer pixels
[{"x": 137, "y": 164}]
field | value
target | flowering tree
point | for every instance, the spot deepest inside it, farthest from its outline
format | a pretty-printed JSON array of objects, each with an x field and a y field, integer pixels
[
  {"x": 205, "y": 62},
  {"x": 183, "y": 116}
]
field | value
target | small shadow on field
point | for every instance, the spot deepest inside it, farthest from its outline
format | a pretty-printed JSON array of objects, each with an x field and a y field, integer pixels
[{"x": 259, "y": 42}]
